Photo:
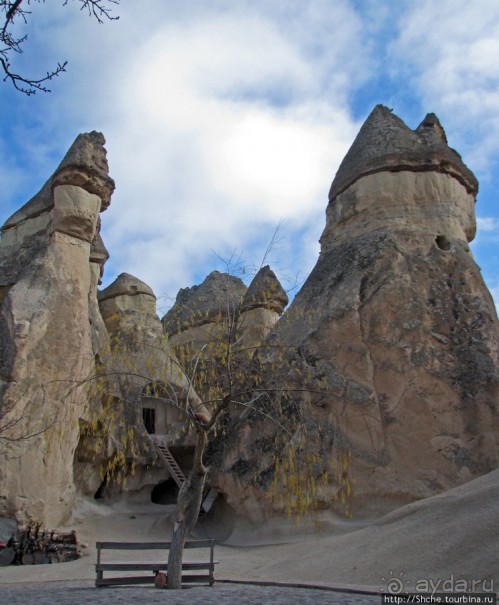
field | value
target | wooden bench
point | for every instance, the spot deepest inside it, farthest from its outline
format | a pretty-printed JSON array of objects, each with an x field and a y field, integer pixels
[{"x": 193, "y": 572}]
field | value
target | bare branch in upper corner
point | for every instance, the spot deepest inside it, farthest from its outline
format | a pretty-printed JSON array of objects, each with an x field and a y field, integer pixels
[{"x": 13, "y": 12}]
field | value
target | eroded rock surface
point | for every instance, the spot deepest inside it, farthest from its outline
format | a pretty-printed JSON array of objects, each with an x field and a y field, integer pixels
[
  {"x": 139, "y": 372},
  {"x": 395, "y": 324},
  {"x": 209, "y": 302},
  {"x": 50, "y": 332},
  {"x": 386, "y": 144},
  {"x": 206, "y": 313},
  {"x": 388, "y": 353}
]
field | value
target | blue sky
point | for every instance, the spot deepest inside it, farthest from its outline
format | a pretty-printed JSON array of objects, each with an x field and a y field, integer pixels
[{"x": 223, "y": 118}]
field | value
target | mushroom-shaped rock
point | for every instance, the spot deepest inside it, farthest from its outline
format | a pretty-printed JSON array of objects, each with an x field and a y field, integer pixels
[
  {"x": 385, "y": 143},
  {"x": 395, "y": 322},
  {"x": 125, "y": 284},
  {"x": 85, "y": 166},
  {"x": 127, "y": 293},
  {"x": 402, "y": 179},
  {"x": 208, "y": 302},
  {"x": 51, "y": 331},
  {"x": 265, "y": 291}
]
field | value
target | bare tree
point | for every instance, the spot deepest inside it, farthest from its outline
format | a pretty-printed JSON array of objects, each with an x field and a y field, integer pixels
[
  {"x": 15, "y": 12},
  {"x": 229, "y": 374}
]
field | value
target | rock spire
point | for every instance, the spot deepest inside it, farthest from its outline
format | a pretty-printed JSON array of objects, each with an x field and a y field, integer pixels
[
  {"x": 51, "y": 331},
  {"x": 265, "y": 291},
  {"x": 84, "y": 165},
  {"x": 395, "y": 323}
]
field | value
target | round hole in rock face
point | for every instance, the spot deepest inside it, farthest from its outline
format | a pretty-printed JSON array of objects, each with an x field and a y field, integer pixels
[{"x": 442, "y": 242}]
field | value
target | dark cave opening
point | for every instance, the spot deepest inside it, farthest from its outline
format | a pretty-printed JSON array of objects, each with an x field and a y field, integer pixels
[{"x": 165, "y": 492}]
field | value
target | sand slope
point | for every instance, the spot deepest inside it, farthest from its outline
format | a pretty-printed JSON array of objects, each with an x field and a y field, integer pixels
[{"x": 455, "y": 534}]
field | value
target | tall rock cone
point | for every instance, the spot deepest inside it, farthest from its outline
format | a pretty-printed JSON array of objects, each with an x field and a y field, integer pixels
[
  {"x": 395, "y": 323},
  {"x": 51, "y": 332},
  {"x": 262, "y": 305},
  {"x": 397, "y": 312}
]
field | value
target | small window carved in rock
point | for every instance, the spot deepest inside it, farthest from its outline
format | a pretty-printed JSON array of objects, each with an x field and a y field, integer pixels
[{"x": 442, "y": 242}]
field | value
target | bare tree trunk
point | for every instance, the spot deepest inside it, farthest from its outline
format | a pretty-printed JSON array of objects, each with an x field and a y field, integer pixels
[{"x": 189, "y": 503}]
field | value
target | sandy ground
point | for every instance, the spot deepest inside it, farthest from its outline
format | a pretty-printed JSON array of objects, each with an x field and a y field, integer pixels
[{"x": 451, "y": 538}]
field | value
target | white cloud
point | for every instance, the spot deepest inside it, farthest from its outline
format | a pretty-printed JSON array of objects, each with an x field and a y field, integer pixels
[
  {"x": 487, "y": 235},
  {"x": 223, "y": 118},
  {"x": 220, "y": 129},
  {"x": 488, "y": 224},
  {"x": 448, "y": 50}
]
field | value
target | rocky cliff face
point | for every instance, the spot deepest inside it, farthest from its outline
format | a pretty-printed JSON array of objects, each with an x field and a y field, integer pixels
[
  {"x": 51, "y": 259},
  {"x": 396, "y": 325}
]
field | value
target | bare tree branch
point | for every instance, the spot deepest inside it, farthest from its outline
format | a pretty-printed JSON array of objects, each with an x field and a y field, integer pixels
[
  {"x": 96, "y": 9},
  {"x": 9, "y": 43}
]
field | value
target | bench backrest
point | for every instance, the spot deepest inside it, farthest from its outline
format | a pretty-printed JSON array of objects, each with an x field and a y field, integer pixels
[{"x": 152, "y": 546}]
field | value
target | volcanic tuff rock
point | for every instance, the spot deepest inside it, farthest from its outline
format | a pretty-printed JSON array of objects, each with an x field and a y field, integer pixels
[
  {"x": 203, "y": 313},
  {"x": 265, "y": 291},
  {"x": 262, "y": 305},
  {"x": 219, "y": 294},
  {"x": 128, "y": 307},
  {"x": 50, "y": 331},
  {"x": 386, "y": 144},
  {"x": 142, "y": 372},
  {"x": 84, "y": 166},
  {"x": 54, "y": 345},
  {"x": 389, "y": 350},
  {"x": 396, "y": 323}
]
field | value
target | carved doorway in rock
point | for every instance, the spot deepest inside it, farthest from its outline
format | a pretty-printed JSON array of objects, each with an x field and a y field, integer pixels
[{"x": 149, "y": 418}]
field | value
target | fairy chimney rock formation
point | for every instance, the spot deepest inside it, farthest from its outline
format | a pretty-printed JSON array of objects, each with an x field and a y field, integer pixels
[
  {"x": 404, "y": 325},
  {"x": 397, "y": 178},
  {"x": 84, "y": 166},
  {"x": 201, "y": 313},
  {"x": 396, "y": 322},
  {"x": 266, "y": 292},
  {"x": 128, "y": 307},
  {"x": 125, "y": 294},
  {"x": 51, "y": 259},
  {"x": 386, "y": 144},
  {"x": 390, "y": 348},
  {"x": 262, "y": 305},
  {"x": 206, "y": 303}
]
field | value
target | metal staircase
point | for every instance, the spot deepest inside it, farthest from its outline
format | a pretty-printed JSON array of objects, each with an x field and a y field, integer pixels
[{"x": 172, "y": 465}]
